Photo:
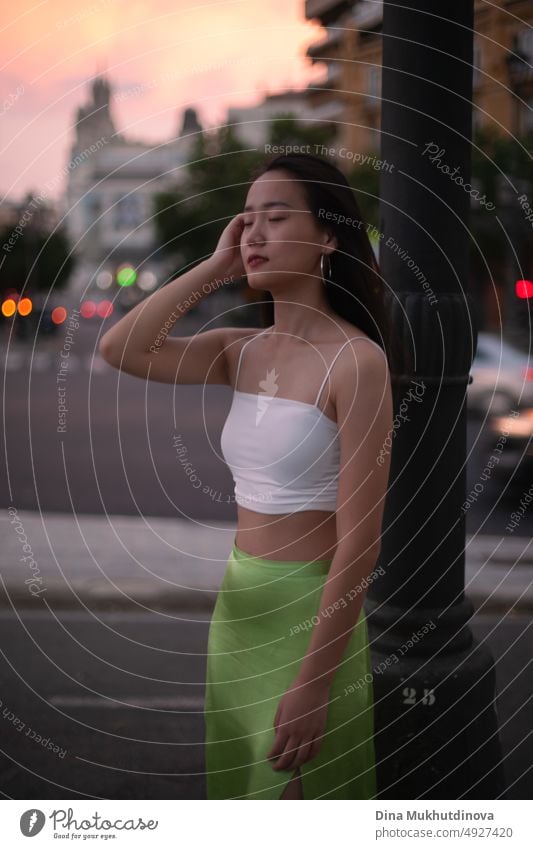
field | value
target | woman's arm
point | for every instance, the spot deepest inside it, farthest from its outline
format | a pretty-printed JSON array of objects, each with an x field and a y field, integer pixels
[
  {"x": 364, "y": 412},
  {"x": 145, "y": 328},
  {"x": 340, "y": 607},
  {"x": 364, "y": 417}
]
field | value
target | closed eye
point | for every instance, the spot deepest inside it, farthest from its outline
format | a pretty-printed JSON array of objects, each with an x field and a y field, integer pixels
[{"x": 249, "y": 223}]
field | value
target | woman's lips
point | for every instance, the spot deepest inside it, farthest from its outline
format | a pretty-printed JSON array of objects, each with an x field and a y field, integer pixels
[{"x": 257, "y": 260}]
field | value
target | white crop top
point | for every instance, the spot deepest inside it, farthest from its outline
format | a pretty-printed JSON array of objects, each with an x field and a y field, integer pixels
[{"x": 283, "y": 454}]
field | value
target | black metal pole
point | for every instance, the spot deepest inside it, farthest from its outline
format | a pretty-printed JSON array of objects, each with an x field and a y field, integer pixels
[{"x": 436, "y": 727}]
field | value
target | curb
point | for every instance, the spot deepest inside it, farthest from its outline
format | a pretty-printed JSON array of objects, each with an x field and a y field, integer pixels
[
  {"x": 123, "y": 598},
  {"x": 125, "y": 563},
  {"x": 105, "y": 597}
]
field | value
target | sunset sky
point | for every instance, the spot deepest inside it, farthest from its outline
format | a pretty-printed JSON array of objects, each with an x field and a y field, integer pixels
[{"x": 209, "y": 55}]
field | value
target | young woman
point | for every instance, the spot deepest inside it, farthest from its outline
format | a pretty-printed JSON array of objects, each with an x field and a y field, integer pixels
[{"x": 289, "y": 695}]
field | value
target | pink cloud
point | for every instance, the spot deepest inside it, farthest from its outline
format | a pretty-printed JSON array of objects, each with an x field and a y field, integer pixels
[{"x": 209, "y": 55}]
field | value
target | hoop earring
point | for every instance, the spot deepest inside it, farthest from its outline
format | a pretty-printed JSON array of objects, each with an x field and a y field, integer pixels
[{"x": 327, "y": 274}]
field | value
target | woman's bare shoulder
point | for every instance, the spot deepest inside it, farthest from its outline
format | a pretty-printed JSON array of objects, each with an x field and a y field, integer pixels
[
  {"x": 235, "y": 335},
  {"x": 235, "y": 338}
]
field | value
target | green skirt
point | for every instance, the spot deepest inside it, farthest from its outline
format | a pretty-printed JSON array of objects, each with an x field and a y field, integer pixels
[{"x": 259, "y": 633}]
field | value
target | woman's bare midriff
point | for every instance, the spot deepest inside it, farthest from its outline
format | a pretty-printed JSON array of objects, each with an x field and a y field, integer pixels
[{"x": 307, "y": 535}]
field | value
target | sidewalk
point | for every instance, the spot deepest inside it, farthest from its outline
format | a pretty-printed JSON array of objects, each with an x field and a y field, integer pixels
[{"x": 127, "y": 562}]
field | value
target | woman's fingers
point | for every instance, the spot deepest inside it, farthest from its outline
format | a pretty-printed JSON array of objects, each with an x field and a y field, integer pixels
[
  {"x": 304, "y": 754},
  {"x": 277, "y": 748},
  {"x": 315, "y": 746},
  {"x": 285, "y": 761}
]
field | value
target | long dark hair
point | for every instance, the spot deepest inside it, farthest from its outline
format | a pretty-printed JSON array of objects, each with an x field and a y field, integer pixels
[{"x": 356, "y": 291}]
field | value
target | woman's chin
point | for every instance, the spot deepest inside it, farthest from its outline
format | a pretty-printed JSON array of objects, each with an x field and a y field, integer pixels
[{"x": 256, "y": 278}]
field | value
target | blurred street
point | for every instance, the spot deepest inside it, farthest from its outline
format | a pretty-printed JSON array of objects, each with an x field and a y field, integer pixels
[
  {"x": 104, "y": 657},
  {"x": 131, "y": 549},
  {"x": 119, "y": 455},
  {"x": 122, "y": 695}
]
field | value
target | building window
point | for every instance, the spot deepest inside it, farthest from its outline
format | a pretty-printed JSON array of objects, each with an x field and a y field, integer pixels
[
  {"x": 527, "y": 115},
  {"x": 333, "y": 77},
  {"x": 524, "y": 43},
  {"x": 373, "y": 82},
  {"x": 519, "y": 62},
  {"x": 127, "y": 212},
  {"x": 367, "y": 13},
  {"x": 92, "y": 209}
]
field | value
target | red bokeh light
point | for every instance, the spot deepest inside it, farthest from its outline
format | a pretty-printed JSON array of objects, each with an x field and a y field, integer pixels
[
  {"x": 88, "y": 309},
  {"x": 104, "y": 309},
  {"x": 59, "y": 315},
  {"x": 524, "y": 289}
]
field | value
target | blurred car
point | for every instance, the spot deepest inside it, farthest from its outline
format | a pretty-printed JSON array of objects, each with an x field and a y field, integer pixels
[
  {"x": 502, "y": 378},
  {"x": 514, "y": 436}
]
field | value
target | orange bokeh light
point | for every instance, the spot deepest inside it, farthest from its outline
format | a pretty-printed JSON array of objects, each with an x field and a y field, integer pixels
[
  {"x": 24, "y": 306},
  {"x": 9, "y": 307}
]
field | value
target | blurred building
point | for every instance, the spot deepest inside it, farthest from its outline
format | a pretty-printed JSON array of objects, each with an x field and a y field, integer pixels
[
  {"x": 251, "y": 123},
  {"x": 351, "y": 52},
  {"x": 110, "y": 190}
]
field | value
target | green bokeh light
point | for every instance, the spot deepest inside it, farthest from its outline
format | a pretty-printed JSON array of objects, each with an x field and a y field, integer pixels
[{"x": 126, "y": 276}]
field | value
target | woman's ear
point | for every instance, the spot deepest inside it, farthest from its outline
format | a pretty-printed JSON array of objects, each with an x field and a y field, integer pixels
[{"x": 330, "y": 241}]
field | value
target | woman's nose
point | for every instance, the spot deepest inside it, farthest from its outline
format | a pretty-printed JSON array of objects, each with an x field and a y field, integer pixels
[{"x": 254, "y": 233}]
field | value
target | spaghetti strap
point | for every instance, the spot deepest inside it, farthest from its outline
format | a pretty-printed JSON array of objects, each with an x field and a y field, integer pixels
[
  {"x": 242, "y": 349},
  {"x": 335, "y": 358}
]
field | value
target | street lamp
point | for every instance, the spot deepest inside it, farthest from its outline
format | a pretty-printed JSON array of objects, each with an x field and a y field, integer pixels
[{"x": 436, "y": 725}]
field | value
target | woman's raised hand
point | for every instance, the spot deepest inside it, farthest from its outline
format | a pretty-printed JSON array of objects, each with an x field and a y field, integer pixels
[{"x": 227, "y": 254}]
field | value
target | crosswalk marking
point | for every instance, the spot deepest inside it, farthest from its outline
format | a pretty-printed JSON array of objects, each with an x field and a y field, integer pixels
[
  {"x": 40, "y": 361},
  {"x": 13, "y": 362}
]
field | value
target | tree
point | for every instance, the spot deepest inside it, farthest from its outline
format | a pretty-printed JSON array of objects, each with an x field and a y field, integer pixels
[
  {"x": 364, "y": 179},
  {"x": 288, "y": 130},
  {"x": 36, "y": 260}
]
